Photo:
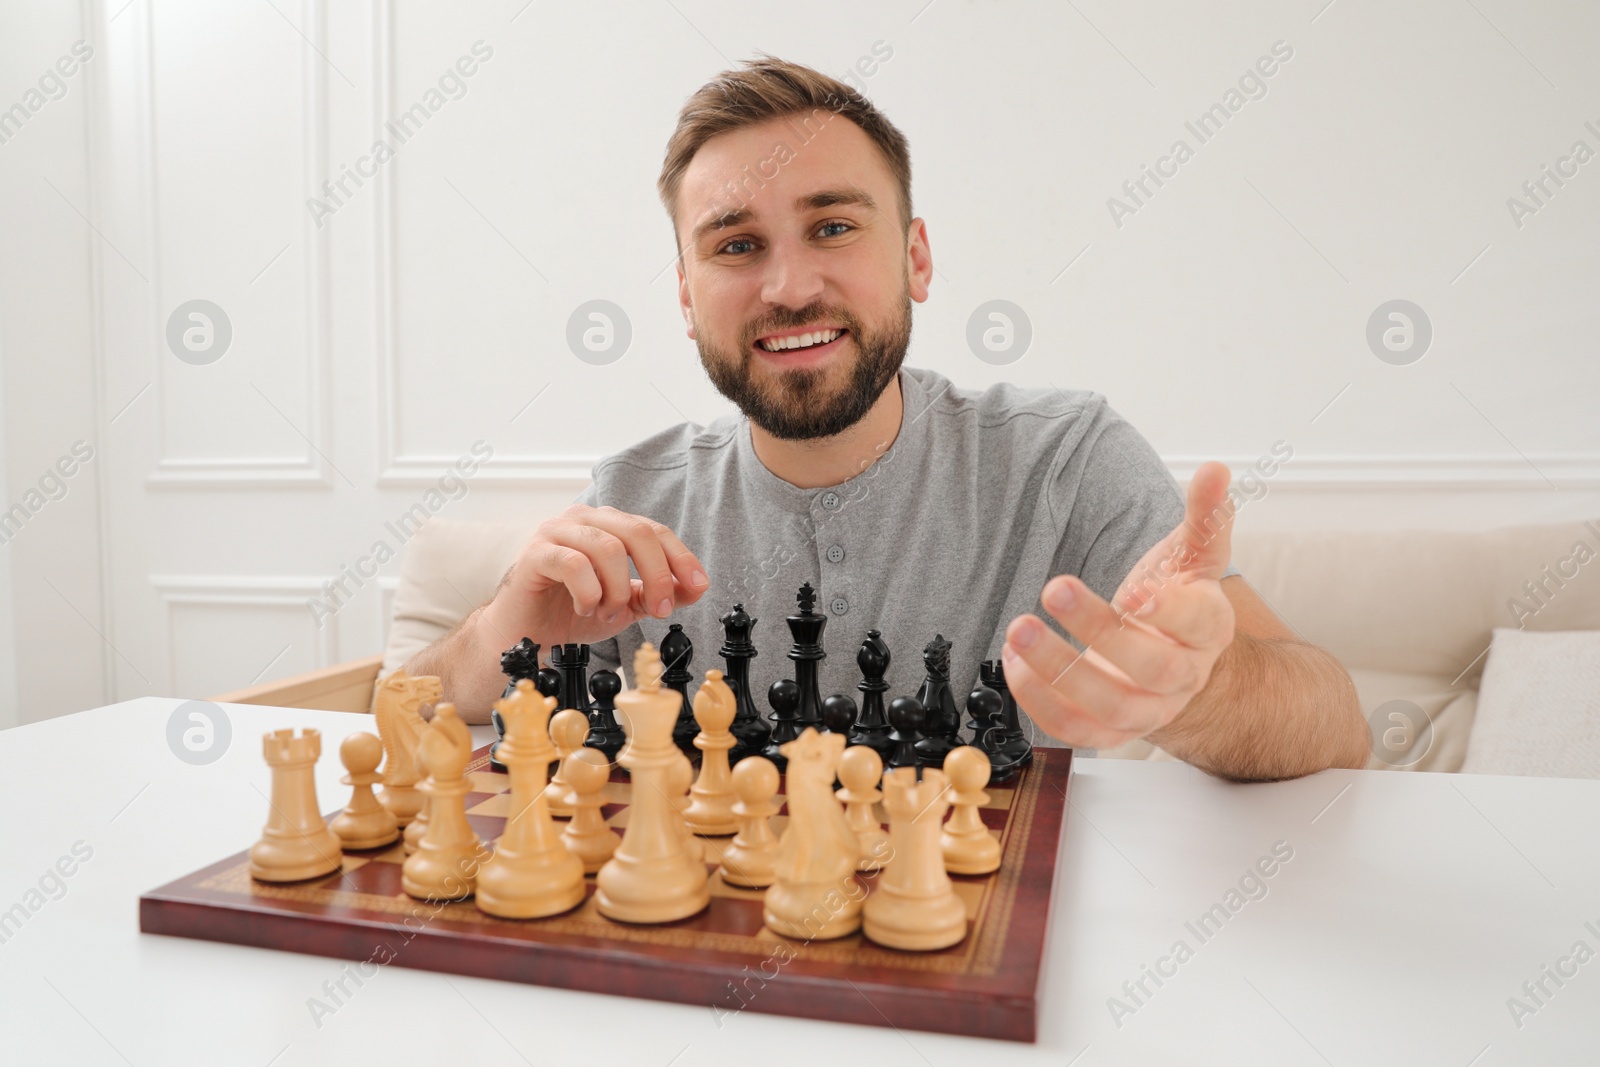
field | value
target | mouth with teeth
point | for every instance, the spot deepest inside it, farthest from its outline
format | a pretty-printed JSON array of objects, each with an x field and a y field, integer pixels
[{"x": 803, "y": 346}]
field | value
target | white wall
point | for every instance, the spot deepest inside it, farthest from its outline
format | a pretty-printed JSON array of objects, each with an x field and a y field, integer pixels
[{"x": 425, "y": 314}]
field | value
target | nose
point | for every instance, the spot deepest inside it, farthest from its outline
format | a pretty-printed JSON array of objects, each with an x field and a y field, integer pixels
[{"x": 792, "y": 277}]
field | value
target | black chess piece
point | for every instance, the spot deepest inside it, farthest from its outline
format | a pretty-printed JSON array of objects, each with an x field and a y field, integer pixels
[
  {"x": 905, "y": 718},
  {"x": 676, "y": 653},
  {"x": 941, "y": 725},
  {"x": 548, "y": 683},
  {"x": 806, "y": 627},
  {"x": 838, "y": 715},
  {"x": 573, "y": 663},
  {"x": 872, "y": 727},
  {"x": 987, "y": 709},
  {"x": 604, "y": 733},
  {"x": 784, "y": 696},
  {"x": 1017, "y": 747},
  {"x": 750, "y": 731},
  {"x": 519, "y": 661}
]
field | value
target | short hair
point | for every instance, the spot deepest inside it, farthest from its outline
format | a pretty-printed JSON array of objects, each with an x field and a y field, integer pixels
[{"x": 770, "y": 88}]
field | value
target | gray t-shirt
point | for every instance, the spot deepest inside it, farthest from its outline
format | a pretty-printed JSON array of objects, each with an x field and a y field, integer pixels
[{"x": 954, "y": 530}]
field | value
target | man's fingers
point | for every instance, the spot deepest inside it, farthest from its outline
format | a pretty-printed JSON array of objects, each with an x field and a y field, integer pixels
[
  {"x": 686, "y": 566},
  {"x": 608, "y": 557},
  {"x": 571, "y": 569},
  {"x": 1054, "y": 713},
  {"x": 1208, "y": 522},
  {"x": 1069, "y": 674},
  {"x": 1153, "y": 660},
  {"x": 649, "y": 556}
]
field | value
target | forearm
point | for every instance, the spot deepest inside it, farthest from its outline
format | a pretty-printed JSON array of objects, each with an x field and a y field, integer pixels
[
  {"x": 1272, "y": 709},
  {"x": 467, "y": 669}
]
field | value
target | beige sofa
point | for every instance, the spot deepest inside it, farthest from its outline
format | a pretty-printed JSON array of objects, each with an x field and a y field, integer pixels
[{"x": 1409, "y": 613}]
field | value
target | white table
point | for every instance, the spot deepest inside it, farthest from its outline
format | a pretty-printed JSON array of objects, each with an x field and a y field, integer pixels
[{"x": 1414, "y": 906}]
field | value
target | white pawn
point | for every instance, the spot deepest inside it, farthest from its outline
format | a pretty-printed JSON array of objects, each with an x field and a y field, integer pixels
[
  {"x": 860, "y": 770},
  {"x": 587, "y": 836},
  {"x": 967, "y": 844},
  {"x": 752, "y": 859},
  {"x": 567, "y": 730},
  {"x": 364, "y": 823}
]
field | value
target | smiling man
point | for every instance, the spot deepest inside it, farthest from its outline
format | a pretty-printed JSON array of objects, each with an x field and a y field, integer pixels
[{"x": 916, "y": 507}]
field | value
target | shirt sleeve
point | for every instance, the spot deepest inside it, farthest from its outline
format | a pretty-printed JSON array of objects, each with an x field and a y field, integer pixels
[{"x": 1114, "y": 499}]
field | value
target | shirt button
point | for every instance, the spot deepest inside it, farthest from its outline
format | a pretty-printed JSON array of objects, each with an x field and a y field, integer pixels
[
  {"x": 830, "y": 501},
  {"x": 835, "y": 553},
  {"x": 840, "y": 605}
]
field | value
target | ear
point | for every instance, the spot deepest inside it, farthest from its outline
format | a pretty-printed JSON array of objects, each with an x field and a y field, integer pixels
[{"x": 919, "y": 261}]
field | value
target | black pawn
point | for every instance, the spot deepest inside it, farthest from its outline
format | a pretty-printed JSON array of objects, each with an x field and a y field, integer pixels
[
  {"x": 750, "y": 731},
  {"x": 676, "y": 653},
  {"x": 905, "y": 716},
  {"x": 784, "y": 696},
  {"x": 941, "y": 717},
  {"x": 986, "y": 708},
  {"x": 872, "y": 726},
  {"x": 519, "y": 661},
  {"x": 1017, "y": 747},
  {"x": 548, "y": 683},
  {"x": 838, "y": 715},
  {"x": 806, "y": 627},
  {"x": 604, "y": 733}
]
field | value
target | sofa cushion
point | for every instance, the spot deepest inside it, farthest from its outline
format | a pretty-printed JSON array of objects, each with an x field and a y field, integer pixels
[
  {"x": 448, "y": 570},
  {"x": 1539, "y": 706},
  {"x": 1423, "y": 601}
]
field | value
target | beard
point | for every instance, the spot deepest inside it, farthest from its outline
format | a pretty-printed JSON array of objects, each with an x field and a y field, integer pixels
[{"x": 800, "y": 404}]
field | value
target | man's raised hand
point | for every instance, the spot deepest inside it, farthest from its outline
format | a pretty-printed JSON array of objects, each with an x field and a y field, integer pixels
[{"x": 1149, "y": 651}]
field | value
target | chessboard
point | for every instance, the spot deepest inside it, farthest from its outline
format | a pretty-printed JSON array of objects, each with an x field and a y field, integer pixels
[{"x": 723, "y": 958}]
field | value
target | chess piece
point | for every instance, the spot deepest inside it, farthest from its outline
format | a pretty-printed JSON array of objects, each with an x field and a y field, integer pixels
[
  {"x": 806, "y": 627},
  {"x": 604, "y": 733},
  {"x": 587, "y": 836},
  {"x": 784, "y": 696},
  {"x": 1016, "y": 748},
  {"x": 651, "y": 878},
  {"x": 905, "y": 716},
  {"x": 519, "y": 661},
  {"x": 677, "y": 652},
  {"x": 941, "y": 723},
  {"x": 397, "y": 708},
  {"x": 364, "y": 823},
  {"x": 750, "y": 731},
  {"x": 567, "y": 730},
  {"x": 815, "y": 895},
  {"x": 967, "y": 844},
  {"x": 860, "y": 770},
  {"x": 295, "y": 844},
  {"x": 985, "y": 708},
  {"x": 751, "y": 859},
  {"x": 412, "y": 837},
  {"x": 446, "y": 861},
  {"x": 677, "y": 781},
  {"x": 548, "y": 683},
  {"x": 872, "y": 726},
  {"x": 914, "y": 906},
  {"x": 531, "y": 873},
  {"x": 710, "y": 810},
  {"x": 838, "y": 715},
  {"x": 572, "y": 661}
]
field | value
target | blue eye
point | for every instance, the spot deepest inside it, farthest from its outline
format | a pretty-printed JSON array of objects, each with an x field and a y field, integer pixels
[
  {"x": 738, "y": 241},
  {"x": 844, "y": 225}
]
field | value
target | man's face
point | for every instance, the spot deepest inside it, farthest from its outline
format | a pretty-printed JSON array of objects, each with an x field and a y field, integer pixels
[{"x": 783, "y": 236}]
